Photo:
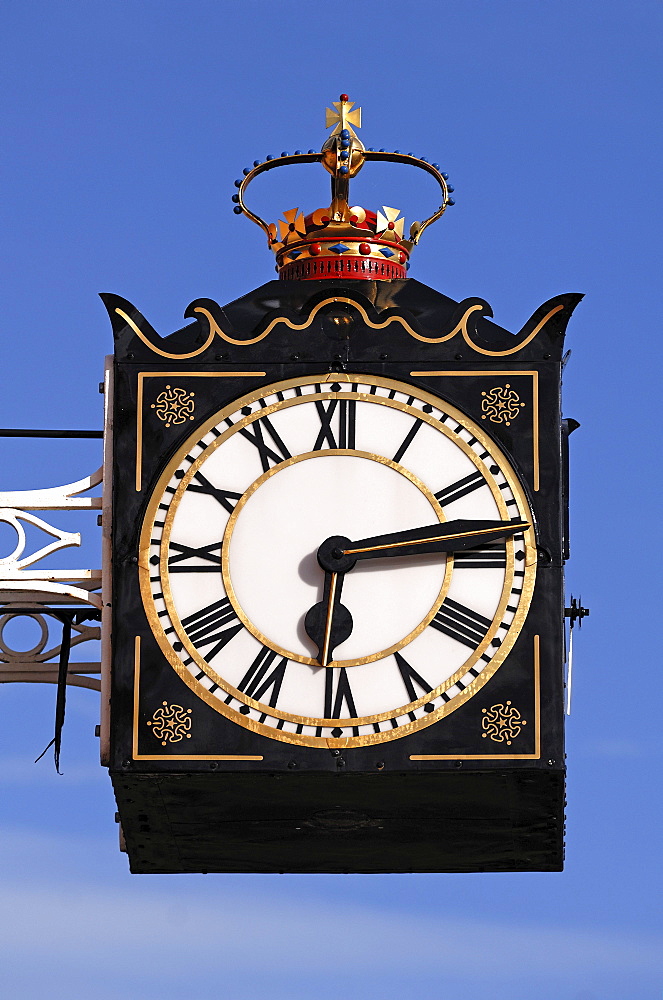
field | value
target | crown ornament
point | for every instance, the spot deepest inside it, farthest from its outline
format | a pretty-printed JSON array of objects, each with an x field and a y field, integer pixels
[{"x": 341, "y": 240}]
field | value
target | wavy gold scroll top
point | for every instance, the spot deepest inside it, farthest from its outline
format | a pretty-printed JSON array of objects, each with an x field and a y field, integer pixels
[{"x": 461, "y": 327}]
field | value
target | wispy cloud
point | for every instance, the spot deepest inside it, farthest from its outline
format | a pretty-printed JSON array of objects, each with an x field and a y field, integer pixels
[
  {"x": 91, "y": 927},
  {"x": 620, "y": 748},
  {"x": 97, "y": 926},
  {"x": 22, "y": 771}
]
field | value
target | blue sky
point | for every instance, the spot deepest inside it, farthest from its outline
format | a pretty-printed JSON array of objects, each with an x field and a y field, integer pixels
[{"x": 124, "y": 124}]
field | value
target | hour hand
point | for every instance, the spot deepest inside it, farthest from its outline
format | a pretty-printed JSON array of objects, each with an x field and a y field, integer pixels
[
  {"x": 329, "y": 623},
  {"x": 340, "y": 554}
]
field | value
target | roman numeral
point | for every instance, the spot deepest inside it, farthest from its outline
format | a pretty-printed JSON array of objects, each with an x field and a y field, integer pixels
[
  {"x": 334, "y": 700},
  {"x": 213, "y": 624},
  {"x": 255, "y": 683},
  {"x": 347, "y": 411},
  {"x": 225, "y": 497},
  {"x": 407, "y": 441},
  {"x": 255, "y": 435},
  {"x": 485, "y": 557},
  {"x": 185, "y": 552},
  {"x": 411, "y": 677},
  {"x": 460, "y": 489},
  {"x": 461, "y": 623}
]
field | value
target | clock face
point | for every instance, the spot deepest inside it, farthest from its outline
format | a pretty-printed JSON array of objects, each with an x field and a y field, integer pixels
[{"x": 229, "y": 570}]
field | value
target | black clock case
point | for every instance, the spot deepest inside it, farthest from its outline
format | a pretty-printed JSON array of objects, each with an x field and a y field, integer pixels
[{"x": 479, "y": 805}]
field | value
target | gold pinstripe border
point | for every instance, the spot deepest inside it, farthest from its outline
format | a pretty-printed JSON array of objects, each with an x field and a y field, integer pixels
[
  {"x": 422, "y": 757},
  {"x": 139, "y": 405},
  {"x": 506, "y": 756},
  {"x": 168, "y": 756},
  {"x": 535, "y": 406}
]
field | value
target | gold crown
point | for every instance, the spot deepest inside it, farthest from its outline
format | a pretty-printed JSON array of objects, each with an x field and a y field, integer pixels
[{"x": 341, "y": 241}]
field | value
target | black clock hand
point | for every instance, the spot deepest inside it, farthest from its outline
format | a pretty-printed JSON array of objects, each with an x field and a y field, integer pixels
[
  {"x": 329, "y": 623},
  {"x": 339, "y": 554}
]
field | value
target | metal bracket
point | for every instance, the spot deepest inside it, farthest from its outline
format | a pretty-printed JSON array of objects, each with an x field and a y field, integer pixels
[
  {"x": 575, "y": 613},
  {"x": 39, "y": 665},
  {"x": 69, "y": 597},
  {"x": 35, "y": 592}
]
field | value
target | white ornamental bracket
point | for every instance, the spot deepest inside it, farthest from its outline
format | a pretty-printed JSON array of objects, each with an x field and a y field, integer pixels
[
  {"x": 49, "y": 596},
  {"x": 19, "y": 585}
]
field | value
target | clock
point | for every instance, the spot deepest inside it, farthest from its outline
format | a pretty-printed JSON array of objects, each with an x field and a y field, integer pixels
[
  {"x": 416, "y": 614},
  {"x": 339, "y": 525}
]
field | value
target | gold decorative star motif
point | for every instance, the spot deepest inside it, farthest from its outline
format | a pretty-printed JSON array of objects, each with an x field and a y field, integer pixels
[
  {"x": 502, "y": 723},
  {"x": 174, "y": 405},
  {"x": 501, "y": 404},
  {"x": 171, "y": 723}
]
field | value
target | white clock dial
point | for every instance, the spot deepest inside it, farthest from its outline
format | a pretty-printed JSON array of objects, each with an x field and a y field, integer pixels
[{"x": 229, "y": 569}]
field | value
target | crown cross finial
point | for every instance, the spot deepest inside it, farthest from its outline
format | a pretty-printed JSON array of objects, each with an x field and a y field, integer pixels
[{"x": 344, "y": 117}]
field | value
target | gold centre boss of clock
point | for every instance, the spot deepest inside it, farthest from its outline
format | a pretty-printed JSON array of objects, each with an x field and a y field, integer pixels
[{"x": 240, "y": 599}]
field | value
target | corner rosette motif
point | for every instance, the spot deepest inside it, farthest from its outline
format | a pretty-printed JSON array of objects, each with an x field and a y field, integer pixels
[
  {"x": 501, "y": 404},
  {"x": 502, "y": 723},
  {"x": 171, "y": 723},
  {"x": 174, "y": 405}
]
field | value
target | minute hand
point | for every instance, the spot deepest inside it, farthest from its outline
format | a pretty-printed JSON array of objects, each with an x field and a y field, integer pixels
[{"x": 451, "y": 536}]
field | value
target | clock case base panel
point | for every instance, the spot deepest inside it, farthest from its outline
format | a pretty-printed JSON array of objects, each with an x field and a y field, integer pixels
[
  {"x": 501, "y": 821},
  {"x": 169, "y": 791}
]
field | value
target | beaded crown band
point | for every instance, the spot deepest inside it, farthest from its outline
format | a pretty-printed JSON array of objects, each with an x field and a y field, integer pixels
[{"x": 342, "y": 241}]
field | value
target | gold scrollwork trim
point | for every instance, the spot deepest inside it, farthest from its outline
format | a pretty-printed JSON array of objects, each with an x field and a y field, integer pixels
[
  {"x": 522, "y": 343},
  {"x": 460, "y": 327},
  {"x": 215, "y": 329},
  {"x": 157, "y": 350}
]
